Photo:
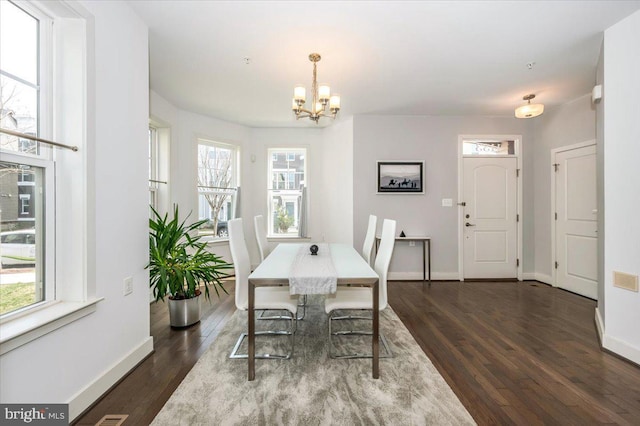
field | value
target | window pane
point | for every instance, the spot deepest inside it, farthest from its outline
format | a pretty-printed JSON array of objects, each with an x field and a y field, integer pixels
[
  {"x": 19, "y": 111},
  {"x": 284, "y": 212},
  {"x": 287, "y": 170},
  {"x": 216, "y": 188},
  {"x": 18, "y": 42},
  {"x": 494, "y": 147},
  {"x": 20, "y": 236}
]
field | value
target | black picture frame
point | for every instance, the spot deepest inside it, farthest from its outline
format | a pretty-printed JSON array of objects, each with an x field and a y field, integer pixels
[{"x": 401, "y": 177}]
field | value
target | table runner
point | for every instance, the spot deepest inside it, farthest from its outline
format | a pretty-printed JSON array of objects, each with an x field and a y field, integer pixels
[{"x": 313, "y": 274}]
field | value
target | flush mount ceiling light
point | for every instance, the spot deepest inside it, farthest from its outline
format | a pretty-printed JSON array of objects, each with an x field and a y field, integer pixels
[
  {"x": 529, "y": 110},
  {"x": 321, "y": 96}
]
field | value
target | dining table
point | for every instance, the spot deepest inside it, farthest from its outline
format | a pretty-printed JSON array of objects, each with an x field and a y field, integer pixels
[{"x": 350, "y": 269}]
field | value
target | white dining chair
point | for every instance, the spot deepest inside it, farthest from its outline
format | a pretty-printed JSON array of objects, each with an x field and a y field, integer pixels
[
  {"x": 263, "y": 247},
  {"x": 361, "y": 298},
  {"x": 261, "y": 237},
  {"x": 369, "y": 238},
  {"x": 266, "y": 298}
]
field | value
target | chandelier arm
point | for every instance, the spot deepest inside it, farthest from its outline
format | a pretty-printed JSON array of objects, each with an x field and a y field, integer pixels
[
  {"x": 323, "y": 114},
  {"x": 305, "y": 111}
]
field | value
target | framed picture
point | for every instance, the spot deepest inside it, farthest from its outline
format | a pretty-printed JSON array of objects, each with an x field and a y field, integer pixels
[{"x": 400, "y": 177}]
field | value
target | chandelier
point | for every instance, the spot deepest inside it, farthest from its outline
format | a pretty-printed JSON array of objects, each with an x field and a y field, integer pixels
[
  {"x": 321, "y": 96},
  {"x": 529, "y": 110}
]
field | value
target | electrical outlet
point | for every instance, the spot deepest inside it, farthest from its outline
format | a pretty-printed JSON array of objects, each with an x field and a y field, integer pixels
[{"x": 128, "y": 285}]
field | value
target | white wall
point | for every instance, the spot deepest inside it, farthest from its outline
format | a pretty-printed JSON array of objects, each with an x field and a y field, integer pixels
[
  {"x": 337, "y": 178},
  {"x": 621, "y": 182},
  {"x": 434, "y": 140},
  {"x": 79, "y": 361},
  {"x": 563, "y": 125}
]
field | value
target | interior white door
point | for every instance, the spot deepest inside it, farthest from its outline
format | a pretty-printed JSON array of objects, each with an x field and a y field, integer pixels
[
  {"x": 576, "y": 221},
  {"x": 489, "y": 219}
]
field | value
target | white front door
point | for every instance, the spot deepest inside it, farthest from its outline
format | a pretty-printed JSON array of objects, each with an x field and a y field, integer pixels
[
  {"x": 576, "y": 221},
  {"x": 490, "y": 217}
]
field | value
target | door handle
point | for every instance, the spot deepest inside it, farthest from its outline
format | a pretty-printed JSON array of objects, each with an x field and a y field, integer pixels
[{"x": 469, "y": 224}]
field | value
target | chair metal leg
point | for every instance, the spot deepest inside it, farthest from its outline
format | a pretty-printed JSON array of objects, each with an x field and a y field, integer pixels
[
  {"x": 302, "y": 303},
  {"x": 262, "y": 316},
  {"x": 386, "y": 353},
  {"x": 291, "y": 333}
]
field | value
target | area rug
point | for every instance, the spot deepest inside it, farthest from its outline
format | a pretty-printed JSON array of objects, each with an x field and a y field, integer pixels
[{"x": 311, "y": 388}]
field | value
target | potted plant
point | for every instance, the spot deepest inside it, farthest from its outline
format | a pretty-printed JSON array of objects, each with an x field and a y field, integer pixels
[{"x": 180, "y": 266}]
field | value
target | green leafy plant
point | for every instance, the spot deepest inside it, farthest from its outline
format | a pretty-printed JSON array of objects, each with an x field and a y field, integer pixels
[
  {"x": 283, "y": 220},
  {"x": 178, "y": 262}
]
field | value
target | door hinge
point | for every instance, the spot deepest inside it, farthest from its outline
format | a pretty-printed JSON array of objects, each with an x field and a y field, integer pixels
[
  {"x": 517, "y": 262},
  {"x": 556, "y": 265},
  {"x": 517, "y": 218},
  {"x": 556, "y": 215},
  {"x": 556, "y": 166},
  {"x": 517, "y": 172}
]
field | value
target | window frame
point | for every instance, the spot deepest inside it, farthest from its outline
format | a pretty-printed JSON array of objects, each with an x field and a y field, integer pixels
[{"x": 272, "y": 154}]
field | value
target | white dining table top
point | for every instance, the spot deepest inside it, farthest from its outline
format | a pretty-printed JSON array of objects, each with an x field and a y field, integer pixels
[{"x": 349, "y": 265}]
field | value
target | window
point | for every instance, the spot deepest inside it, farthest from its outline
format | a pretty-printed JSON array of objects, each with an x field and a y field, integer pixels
[
  {"x": 26, "y": 184},
  {"x": 153, "y": 168},
  {"x": 159, "y": 141},
  {"x": 217, "y": 181},
  {"x": 43, "y": 190},
  {"x": 488, "y": 147},
  {"x": 287, "y": 175}
]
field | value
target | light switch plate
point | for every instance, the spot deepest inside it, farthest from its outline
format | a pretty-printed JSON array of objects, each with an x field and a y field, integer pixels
[
  {"x": 447, "y": 202},
  {"x": 128, "y": 286}
]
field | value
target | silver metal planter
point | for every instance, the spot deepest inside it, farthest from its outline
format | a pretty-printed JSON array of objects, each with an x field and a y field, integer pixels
[{"x": 184, "y": 312}]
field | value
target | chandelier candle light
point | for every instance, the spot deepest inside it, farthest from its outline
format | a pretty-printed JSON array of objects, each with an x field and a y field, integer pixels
[
  {"x": 321, "y": 97},
  {"x": 529, "y": 110}
]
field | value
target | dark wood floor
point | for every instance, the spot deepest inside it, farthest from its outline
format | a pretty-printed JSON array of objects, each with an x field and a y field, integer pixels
[{"x": 514, "y": 353}]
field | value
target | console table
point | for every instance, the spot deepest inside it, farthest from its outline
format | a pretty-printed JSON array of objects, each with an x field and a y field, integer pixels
[{"x": 426, "y": 252}]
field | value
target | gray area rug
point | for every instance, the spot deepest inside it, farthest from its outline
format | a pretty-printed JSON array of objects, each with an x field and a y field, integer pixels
[{"x": 311, "y": 388}]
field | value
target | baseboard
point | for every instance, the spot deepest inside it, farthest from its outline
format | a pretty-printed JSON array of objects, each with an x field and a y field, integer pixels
[
  {"x": 621, "y": 348},
  {"x": 614, "y": 345},
  {"x": 599, "y": 326},
  {"x": 454, "y": 276},
  {"x": 417, "y": 276},
  {"x": 92, "y": 392},
  {"x": 543, "y": 278}
]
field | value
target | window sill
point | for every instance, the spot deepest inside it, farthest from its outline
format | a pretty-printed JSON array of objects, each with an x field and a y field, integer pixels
[
  {"x": 288, "y": 238},
  {"x": 29, "y": 327},
  {"x": 215, "y": 241}
]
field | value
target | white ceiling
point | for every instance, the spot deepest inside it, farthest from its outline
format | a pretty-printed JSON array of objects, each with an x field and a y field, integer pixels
[{"x": 384, "y": 57}]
